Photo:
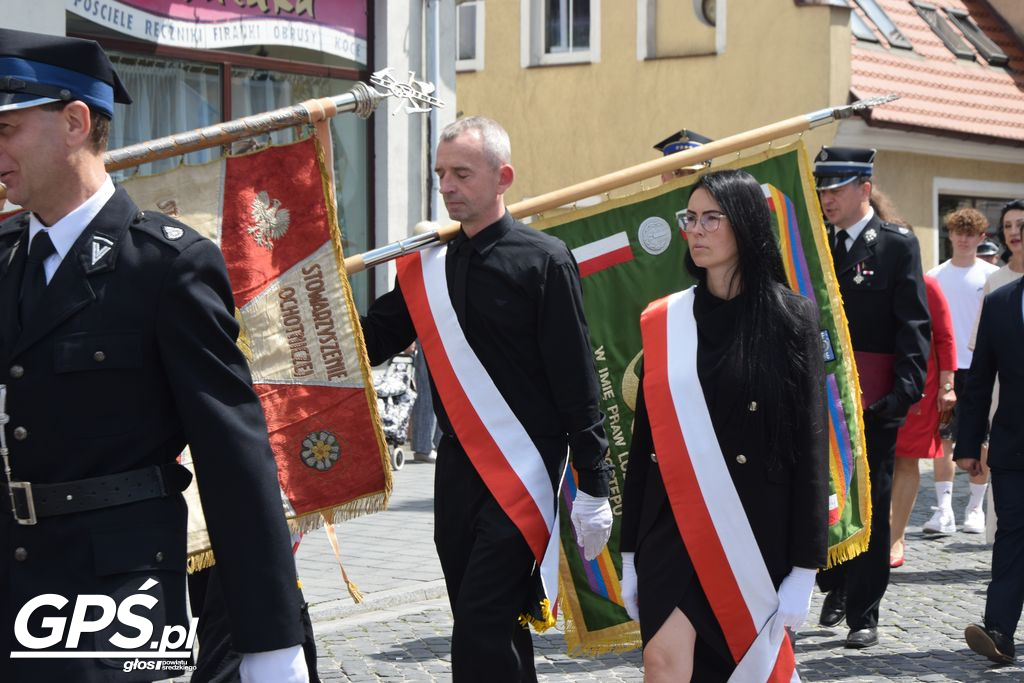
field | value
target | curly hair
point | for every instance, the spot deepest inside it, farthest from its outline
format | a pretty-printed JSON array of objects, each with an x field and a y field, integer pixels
[{"x": 970, "y": 221}]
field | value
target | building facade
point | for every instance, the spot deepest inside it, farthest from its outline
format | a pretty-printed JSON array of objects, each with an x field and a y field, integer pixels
[{"x": 586, "y": 87}]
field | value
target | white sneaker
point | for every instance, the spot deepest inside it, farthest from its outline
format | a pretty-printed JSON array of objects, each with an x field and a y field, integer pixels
[
  {"x": 431, "y": 457},
  {"x": 974, "y": 520},
  {"x": 942, "y": 523}
]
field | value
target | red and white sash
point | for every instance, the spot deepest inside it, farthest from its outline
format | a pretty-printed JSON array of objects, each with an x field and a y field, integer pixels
[
  {"x": 704, "y": 500},
  {"x": 493, "y": 437}
]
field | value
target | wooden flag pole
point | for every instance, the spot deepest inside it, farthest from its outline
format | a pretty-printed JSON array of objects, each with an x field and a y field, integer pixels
[
  {"x": 626, "y": 176},
  {"x": 361, "y": 100}
]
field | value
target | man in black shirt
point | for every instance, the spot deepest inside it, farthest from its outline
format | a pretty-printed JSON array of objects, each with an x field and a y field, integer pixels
[{"x": 516, "y": 296}]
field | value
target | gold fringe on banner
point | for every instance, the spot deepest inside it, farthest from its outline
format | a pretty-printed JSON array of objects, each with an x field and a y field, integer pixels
[{"x": 364, "y": 357}]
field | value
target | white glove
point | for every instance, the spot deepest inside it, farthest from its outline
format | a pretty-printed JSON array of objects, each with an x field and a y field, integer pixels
[
  {"x": 592, "y": 518},
  {"x": 628, "y": 586},
  {"x": 795, "y": 596},
  {"x": 287, "y": 665}
]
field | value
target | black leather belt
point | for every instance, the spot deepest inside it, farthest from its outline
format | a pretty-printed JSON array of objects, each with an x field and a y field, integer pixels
[{"x": 29, "y": 501}]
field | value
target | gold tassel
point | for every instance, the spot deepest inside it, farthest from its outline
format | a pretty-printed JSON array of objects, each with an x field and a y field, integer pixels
[
  {"x": 332, "y": 537},
  {"x": 547, "y": 620},
  {"x": 354, "y": 591}
]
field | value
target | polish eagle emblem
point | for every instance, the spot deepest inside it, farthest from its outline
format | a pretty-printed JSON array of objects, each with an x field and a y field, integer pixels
[{"x": 270, "y": 220}]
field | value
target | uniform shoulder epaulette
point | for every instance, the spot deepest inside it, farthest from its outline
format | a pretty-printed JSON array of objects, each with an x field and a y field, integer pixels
[
  {"x": 165, "y": 229},
  {"x": 898, "y": 229}
]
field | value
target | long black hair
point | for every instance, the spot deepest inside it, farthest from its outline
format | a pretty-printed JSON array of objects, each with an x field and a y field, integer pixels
[{"x": 768, "y": 351}]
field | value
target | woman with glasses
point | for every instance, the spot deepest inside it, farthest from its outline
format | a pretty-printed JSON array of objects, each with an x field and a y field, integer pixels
[{"x": 725, "y": 511}]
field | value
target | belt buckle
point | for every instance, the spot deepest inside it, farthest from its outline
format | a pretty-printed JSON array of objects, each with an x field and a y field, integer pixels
[{"x": 26, "y": 502}]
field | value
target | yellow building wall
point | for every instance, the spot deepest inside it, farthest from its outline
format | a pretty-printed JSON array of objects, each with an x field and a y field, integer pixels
[
  {"x": 908, "y": 179},
  {"x": 572, "y": 122}
]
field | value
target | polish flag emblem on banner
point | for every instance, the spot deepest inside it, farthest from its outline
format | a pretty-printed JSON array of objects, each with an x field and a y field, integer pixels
[{"x": 604, "y": 253}]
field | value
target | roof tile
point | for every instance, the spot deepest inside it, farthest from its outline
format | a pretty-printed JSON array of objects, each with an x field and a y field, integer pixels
[{"x": 938, "y": 90}]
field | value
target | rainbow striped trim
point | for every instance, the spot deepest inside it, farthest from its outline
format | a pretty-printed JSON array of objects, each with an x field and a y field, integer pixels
[
  {"x": 601, "y": 576},
  {"x": 794, "y": 259}
]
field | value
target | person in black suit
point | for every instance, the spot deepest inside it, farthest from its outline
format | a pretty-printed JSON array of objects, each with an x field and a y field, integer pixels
[
  {"x": 117, "y": 344},
  {"x": 878, "y": 266},
  {"x": 998, "y": 351},
  {"x": 757, "y": 341}
]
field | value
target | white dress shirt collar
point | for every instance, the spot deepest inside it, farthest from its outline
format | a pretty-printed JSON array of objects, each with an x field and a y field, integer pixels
[
  {"x": 854, "y": 231},
  {"x": 65, "y": 231}
]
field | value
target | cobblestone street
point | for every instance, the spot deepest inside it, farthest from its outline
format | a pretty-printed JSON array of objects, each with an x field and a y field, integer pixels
[{"x": 401, "y": 632}]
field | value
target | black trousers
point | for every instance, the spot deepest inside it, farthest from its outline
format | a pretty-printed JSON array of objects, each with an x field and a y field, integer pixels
[
  {"x": 1006, "y": 590},
  {"x": 218, "y": 661},
  {"x": 487, "y": 569},
  {"x": 866, "y": 576}
]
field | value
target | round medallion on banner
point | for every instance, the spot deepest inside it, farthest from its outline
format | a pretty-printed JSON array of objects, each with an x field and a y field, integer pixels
[
  {"x": 320, "y": 450},
  {"x": 654, "y": 235}
]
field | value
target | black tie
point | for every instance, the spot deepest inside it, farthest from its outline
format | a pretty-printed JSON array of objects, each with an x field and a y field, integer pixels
[
  {"x": 33, "y": 282},
  {"x": 839, "y": 250}
]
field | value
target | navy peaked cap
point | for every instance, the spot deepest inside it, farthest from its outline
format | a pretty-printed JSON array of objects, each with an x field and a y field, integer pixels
[
  {"x": 36, "y": 69},
  {"x": 837, "y": 166},
  {"x": 684, "y": 139}
]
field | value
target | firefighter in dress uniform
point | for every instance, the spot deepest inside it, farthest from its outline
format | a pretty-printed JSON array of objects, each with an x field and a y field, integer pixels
[
  {"x": 117, "y": 347},
  {"x": 878, "y": 266}
]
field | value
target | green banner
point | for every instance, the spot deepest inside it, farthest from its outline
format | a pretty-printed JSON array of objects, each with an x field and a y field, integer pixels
[{"x": 630, "y": 253}]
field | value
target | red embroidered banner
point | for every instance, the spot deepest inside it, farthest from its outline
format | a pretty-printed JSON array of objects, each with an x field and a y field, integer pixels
[{"x": 272, "y": 212}]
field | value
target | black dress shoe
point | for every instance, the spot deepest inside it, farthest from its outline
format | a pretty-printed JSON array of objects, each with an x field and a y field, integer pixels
[
  {"x": 989, "y": 642},
  {"x": 833, "y": 609},
  {"x": 862, "y": 638}
]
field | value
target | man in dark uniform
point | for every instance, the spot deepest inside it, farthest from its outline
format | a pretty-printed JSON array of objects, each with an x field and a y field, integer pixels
[
  {"x": 117, "y": 343},
  {"x": 516, "y": 295},
  {"x": 878, "y": 266},
  {"x": 998, "y": 353}
]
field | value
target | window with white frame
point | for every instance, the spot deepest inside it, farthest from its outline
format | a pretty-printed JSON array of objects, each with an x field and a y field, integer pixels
[
  {"x": 469, "y": 28},
  {"x": 566, "y": 25},
  {"x": 560, "y": 31},
  {"x": 671, "y": 28}
]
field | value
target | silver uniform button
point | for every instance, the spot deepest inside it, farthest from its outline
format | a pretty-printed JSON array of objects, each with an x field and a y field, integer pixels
[
  {"x": 20, "y": 433},
  {"x": 17, "y": 372},
  {"x": 20, "y": 554},
  {"x": 654, "y": 457},
  {"x": 99, "y": 356},
  {"x": 741, "y": 459}
]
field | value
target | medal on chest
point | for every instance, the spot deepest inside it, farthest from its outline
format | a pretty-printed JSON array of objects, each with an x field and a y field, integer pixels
[{"x": 862, "y": 273}]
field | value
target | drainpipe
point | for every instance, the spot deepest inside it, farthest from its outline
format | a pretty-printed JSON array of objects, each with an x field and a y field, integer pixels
[{"x": 433, "y": 75}]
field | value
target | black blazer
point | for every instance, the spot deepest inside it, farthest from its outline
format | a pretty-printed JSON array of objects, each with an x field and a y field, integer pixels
[
  {"x": 787, "y": 505},
  {"x": 883, "y": 297},
  {"x": 130, "y": 356},
  {"x": 997, "y": 351}
]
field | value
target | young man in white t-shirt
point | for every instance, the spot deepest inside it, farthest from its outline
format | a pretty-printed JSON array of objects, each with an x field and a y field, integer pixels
[{"x": 962, "y": 279}]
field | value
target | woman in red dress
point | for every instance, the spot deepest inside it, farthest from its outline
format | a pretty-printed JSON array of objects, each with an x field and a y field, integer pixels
[{"x": 919, "y": 437}]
